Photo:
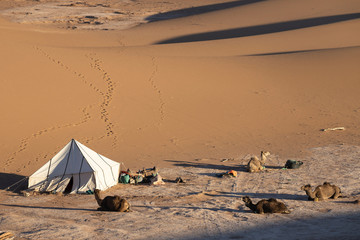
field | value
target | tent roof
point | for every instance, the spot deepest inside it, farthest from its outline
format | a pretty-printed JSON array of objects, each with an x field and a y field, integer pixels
[{"x": 75, "y": 158}]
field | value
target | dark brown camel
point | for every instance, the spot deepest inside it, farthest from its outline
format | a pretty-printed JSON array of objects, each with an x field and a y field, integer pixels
[
  {"x": 111, "y": 203},
  {"x": 266, "y": 206}
]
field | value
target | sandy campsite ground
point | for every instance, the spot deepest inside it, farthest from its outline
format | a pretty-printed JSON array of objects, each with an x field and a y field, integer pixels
[
  {"x": 205, "y": 206},
  {"x": 183, "y": 85}
]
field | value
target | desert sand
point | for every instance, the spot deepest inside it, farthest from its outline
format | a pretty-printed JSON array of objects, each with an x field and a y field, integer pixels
[{"x": 182, "y": 85}]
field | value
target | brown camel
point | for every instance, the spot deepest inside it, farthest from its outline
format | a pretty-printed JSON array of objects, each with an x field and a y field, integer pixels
[
  {"x": 256, "y": 165},
  {"x": 111, "y": 203},
  {"x": 322, "y": 192},
  {"x": 270, "y": 205}
]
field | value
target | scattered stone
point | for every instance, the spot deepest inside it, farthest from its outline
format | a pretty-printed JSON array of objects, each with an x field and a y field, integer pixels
[
  {"x": 332, "y": 129},
  {"x": 227, "y": 159},
  {"x": 91, "y": 17}
]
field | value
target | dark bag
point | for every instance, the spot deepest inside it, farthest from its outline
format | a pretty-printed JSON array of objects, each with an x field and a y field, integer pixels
[{"x": 292, "y": 164}]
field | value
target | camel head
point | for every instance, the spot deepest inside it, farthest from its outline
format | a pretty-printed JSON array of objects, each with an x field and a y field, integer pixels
[
  {"x": 246, "y": 199},
  {"x": 306, "y": 187},
  {"x": 124, "y": 206},
  {"x": 265, "y": 154},
  {"x": 97, "y": 191}
]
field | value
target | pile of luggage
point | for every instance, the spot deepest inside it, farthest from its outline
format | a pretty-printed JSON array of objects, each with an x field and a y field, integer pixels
[{"x": 148, "y": 176}]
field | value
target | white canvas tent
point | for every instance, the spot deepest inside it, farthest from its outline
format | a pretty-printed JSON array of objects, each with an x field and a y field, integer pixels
[{"x": 75, "y": 169}]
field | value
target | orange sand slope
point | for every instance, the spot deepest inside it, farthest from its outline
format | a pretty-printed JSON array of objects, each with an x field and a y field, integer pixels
[{"x": 256, "y": 75}]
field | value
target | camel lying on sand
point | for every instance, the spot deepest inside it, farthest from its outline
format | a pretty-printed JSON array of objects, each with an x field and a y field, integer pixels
[
  {"x": 111, "y": 203},
  {"x": 256, "y": 165},
  {"x": 322, "y": 192},
  {"x": 266, "y": 206}
]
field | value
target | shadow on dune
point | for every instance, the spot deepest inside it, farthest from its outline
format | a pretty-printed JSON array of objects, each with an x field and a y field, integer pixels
[
  {"x": 274, "y": 167},
  {"x": 261, "y": 29},
  {"x": 239, "y": 168},
  {"x": 346, "y": 202},
  {"x": 198, "y": 10},
  {"x": 324, "y": 226},
  {"x": 193, "y": 208},
  {"x": 52, "y": 208},
  {"x": 207, "y": 165},
  {"x": 13, "y": 182},
  {"x": 282, "y": 196},
  {"x": 288, "y": 52},
  {"x": 300, "y": 51}
]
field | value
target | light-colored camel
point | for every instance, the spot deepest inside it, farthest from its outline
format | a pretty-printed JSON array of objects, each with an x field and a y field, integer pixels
[
  {"x": 111, "y": 203},
  {"x": 256, "y": 165},
  {"x": 322, "y": 192},
  {"x": 270, "y": 205}
]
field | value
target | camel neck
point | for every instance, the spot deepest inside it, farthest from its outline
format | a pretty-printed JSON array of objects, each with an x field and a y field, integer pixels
[
  {"x": 310, "y": 193},
  {"x": 251, "y": 206}
]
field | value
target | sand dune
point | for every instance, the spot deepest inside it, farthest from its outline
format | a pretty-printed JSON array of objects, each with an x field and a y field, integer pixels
[{"x": 171, "y": 82}]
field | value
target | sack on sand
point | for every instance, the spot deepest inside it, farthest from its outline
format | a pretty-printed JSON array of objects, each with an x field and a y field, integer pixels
[
  {"x": 231, "y": 173},
  {"x": 138, "y": 179},
  {"x": 149, "y": 172},
  {"x": 157, "y": 180},
  {"x": 124, "y": 178},
  {"x": 292, "y": 164}
]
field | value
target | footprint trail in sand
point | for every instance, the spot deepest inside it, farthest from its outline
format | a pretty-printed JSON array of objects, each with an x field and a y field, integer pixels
[
  {"x": 107, "y": 96},
  {"x": 104, "y": 115},
  {"x": 25, "y": 141},
  {"x": 156, "y": 88}
]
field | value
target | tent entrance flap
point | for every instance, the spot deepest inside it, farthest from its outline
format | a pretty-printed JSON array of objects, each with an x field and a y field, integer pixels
[
  {"x": 69, "y": 186},
  {"x": 57, "y": 184},
  {"x": 83, "y": 182}
]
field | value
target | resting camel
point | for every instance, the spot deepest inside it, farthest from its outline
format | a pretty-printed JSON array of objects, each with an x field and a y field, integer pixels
[
  {"x": 322, "y": 192},
  {"x": 256, "y": 165},
  {"x": 111, "y": 203},
  {"x": 266, "y": 206}
]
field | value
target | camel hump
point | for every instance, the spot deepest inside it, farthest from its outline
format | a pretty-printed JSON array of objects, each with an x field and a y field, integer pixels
[
  {"x": 255, "y": 165},
  {"x": 271, "y": 205}
]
